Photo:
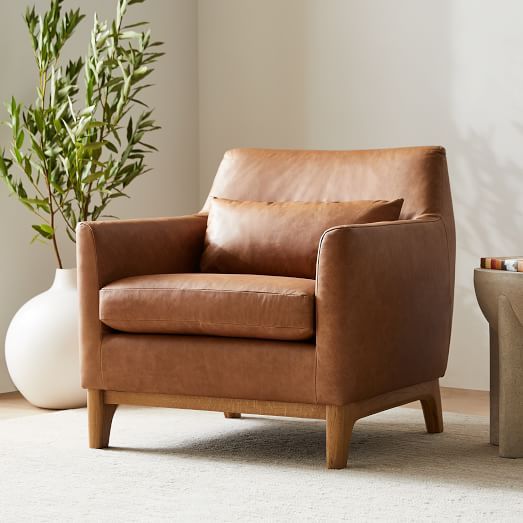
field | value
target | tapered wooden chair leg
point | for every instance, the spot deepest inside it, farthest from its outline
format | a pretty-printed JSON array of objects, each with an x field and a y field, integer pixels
[
  {"x": 100, "y": 418},
  {"x": 231, "y": 415},
  {"x": 431, "y": 405},
  {"x": 338, "y": 434}
]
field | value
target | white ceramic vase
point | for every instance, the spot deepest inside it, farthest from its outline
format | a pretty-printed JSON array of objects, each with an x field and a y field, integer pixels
[{"x": 41, "y": 346}]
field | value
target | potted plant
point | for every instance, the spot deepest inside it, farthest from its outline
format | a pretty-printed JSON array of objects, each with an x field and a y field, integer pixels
[{"x": 72, "y": 151}]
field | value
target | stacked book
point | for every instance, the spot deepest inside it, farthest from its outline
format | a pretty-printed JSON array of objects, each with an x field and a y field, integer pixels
[{"x": 508, "y": 263}]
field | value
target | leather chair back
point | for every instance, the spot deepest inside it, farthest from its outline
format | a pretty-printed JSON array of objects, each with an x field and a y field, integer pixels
[{"x": 417, "y": 174}]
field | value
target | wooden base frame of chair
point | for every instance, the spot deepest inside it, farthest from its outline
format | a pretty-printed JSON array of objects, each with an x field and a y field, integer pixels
[{"x": 340, "y": 419}]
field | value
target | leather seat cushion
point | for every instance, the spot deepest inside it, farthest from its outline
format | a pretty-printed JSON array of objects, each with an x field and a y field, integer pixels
[{"x": 235, "y": 305}]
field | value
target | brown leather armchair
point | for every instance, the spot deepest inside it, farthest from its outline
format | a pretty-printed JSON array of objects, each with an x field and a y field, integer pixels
[{"x": 379, "y": 309}]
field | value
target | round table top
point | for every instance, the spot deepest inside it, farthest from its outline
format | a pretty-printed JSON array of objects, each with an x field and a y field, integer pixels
[{"x": 497, "y": 271}]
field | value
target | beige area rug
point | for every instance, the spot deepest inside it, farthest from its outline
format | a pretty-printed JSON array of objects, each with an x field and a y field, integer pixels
[{"x": 175, "y": 465}]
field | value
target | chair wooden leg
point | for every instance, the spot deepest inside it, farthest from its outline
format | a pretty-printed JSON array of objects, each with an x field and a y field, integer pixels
[
  {"x": 100, "y": 418},
  {"x": 431, "y": 405},
  {"x": 231, "y": 415},
  {"x": 338, "y": 434}
]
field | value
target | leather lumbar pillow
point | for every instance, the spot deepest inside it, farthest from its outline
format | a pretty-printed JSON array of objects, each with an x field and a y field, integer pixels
[{"x": 279, "y": 238}]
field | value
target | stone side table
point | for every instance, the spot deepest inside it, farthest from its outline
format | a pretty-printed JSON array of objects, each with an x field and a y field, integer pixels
[{"x": 500, "y": 297}]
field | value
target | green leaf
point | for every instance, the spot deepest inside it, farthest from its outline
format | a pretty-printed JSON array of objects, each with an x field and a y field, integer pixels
[
  {"x": 20, "y": 139},
  {"x": 35, "y": 238},
  {"x": 130, "y": 129},
  {"x": 28, "y": 169},
  {"x": 69, "y": 132},
  {"x": 92, "y": 177},
  {"x": 93, "y": 146},
  {"x": 70, "y": 235},
  {"x": 149, "y": 146},
  {"x": 129, "y": 35},
  {"x": 13, "y": 106},
  {"x": 17, "y": 154},
  {"x": 111, "y": 147},
  {"x": 38, "y": 202},
  {"x": 3, "y": 166},
  {"x": 44, "y": 230},
  {"x": 39, "y": 119},
  {"x": 37, "y": 149},
  {"x": 137, "y": 24}
]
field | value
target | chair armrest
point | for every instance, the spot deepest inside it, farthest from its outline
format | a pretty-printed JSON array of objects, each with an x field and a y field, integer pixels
[
  {"x": 135, "y": 247},
  {"x": 110, "y": 250},
  {"x": 384, "y": 294}
]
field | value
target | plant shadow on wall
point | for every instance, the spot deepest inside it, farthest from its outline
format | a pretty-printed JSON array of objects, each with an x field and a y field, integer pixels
[
  {"x": 492, "y": 205},
  {"x": 489, "y": 219},
  {"x": 71, "y": 154}
]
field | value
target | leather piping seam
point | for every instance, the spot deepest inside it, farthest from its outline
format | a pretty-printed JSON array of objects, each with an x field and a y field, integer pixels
[
  {"x": 379, "y": 225},
  {"x": 209, "y": 323},
  {"x": 450, "y": 283},
  {"x": 98, "y": 280},
  {"x": 130, "y": 289}
]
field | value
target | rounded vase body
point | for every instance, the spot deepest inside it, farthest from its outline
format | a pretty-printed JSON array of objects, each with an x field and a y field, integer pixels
[{"x": 42, "y": 349}]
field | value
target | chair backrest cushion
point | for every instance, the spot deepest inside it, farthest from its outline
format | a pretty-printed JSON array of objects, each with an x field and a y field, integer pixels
[{"x": 279, "y": 238}]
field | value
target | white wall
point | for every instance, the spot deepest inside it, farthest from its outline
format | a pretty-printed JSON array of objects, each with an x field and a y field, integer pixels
[
  {"x": 172, "y": 187},
  {"x": 342, "y": 74}
]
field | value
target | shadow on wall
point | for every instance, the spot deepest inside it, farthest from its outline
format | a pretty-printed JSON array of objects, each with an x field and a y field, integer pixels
[
  {"x": 488, "y": 201},
  {"x": 491, "y": 196}
]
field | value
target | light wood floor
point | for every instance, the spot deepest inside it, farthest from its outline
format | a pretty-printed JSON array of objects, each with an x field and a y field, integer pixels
[
  {"x": 463, "y": 401},
  {"x": 13, "y": 405}
]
